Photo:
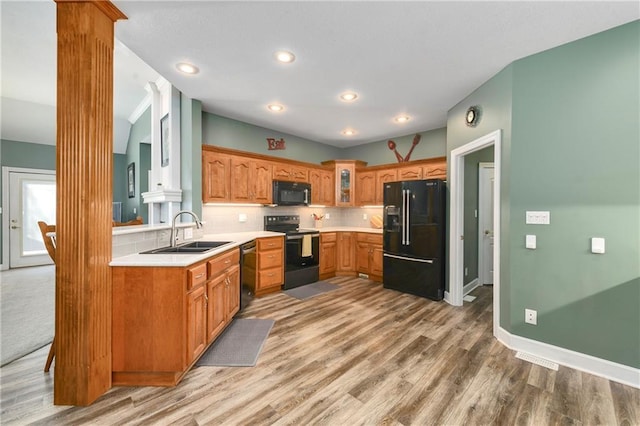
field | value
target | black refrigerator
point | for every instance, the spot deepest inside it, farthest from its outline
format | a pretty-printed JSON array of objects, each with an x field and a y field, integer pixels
[{"x": 414, "y": 237}]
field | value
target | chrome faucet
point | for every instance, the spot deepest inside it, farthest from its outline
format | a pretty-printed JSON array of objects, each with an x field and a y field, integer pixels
[{"x": 174, "y": 235}]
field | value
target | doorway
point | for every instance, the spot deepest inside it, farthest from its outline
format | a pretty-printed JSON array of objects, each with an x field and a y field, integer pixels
[
  {"x": 485, "y": 223},
  {"x": 29, "y": 197},
  {"x": 456, "y": 220}
]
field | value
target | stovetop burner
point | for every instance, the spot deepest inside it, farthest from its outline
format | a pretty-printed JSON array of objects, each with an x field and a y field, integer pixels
[{"x": 289, "y": 225}]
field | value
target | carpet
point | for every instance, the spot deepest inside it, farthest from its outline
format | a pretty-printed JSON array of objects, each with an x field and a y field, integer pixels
[
  {"x": 239, "y": 345},
  {"x": 27, "y": 307},
  {"x": 310, "y": 290}
]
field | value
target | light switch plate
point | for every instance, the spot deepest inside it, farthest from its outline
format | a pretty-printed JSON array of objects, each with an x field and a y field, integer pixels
[
  {"x": 242, "y": 217},
  {"x": 530, "y": 242},
  {"x": 188, "y": 233},
  {"x": 597, "y": 245},
  {"x": 538, "y": 218}
]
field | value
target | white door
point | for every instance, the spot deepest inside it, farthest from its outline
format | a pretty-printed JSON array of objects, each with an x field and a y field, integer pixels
[
  {"x": 32, "y": 198},
  {"x": 485, "y": 222}
]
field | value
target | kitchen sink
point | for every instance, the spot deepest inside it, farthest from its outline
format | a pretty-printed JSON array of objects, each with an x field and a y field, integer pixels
[{"x": 190, "y": 248}]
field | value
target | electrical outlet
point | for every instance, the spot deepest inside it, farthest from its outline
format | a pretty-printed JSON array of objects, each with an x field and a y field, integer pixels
[
  {"x": 242, "y": 217},
  {"x": 327, "y": 216},
  {"x": 364, "y": 216},
  {"x": 466, "y": 271},
  {"x": 531, "y": 316},
  {"x": 188, "y": 233},
  {"x": 135, "y": 210}
]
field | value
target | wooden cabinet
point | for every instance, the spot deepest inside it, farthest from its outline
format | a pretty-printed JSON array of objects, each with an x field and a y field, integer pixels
[
  {"x": 346, "y": 264},
  {"x": 370, "y": 185},
  {"x": 290, "y": 172},
  {"x": 410, "y": 173},
  {"x": 435, "y": 170},
  {"x": 366, "y": 184},
  {"x": 431, "y": 169},
  {"x": 164, "y": 318},
  {"x": 223, "y": 292},
  {"x": 196, "y": 321},
  {"x": 328, "y": 254},
  {"x": 369, "y": 255},
  {"x": 264, "y": 268},
  {"x": 382, "y": 177},
  {"x": 322, "y": 187},
  {"x": 216, "y": 172},
  {"x": 250, "y": 181},
  {"x": 345, "y": 177}
]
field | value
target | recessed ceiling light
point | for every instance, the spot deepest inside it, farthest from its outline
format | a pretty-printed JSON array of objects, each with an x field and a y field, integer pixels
[
  {"x": 187, "y": 68},
  {"x": 402, "y": 119},
  {"x": 349, "y": 96},
  {"x": 348, "y": 132},
  {"x": 285, "y": 56},
  {"x": 275, "y": 107}
]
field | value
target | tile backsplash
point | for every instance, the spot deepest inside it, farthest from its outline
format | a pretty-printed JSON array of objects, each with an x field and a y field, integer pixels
[{"x": 228, "y": 218}]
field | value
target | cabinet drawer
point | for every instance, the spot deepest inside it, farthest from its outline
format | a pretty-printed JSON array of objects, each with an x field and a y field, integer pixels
[
  {"x": 223, "y": 261},
  {"x": 270, "y": 277},
  {"x": 369, "y": 238},
  {"x": 328, "y": 237},
  {"x": 196, "y": 276},
  {"x": 270, "y": 243},
  {"x": 270, "y": 259}
]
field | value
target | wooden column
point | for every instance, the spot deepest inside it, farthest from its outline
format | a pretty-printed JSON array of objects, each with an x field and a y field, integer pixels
[{"x": 84, "y": 172}]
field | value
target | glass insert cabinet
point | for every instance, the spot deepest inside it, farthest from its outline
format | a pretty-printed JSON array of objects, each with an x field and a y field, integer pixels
[{"x": 345, "y": 180}]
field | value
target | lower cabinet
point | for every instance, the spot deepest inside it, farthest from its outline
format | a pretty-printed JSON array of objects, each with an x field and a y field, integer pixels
[
  {"x": 369, "y": 255},
  {"x": 263, "y": 269},
  {"x": 346, "y": 264},
  {"x": 164, "y": 318},
  {"x": 328, "y": 255}
]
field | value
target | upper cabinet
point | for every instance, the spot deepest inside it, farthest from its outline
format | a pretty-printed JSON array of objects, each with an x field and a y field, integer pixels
[
  {"x": 322, "y": 186},
  {"x": 290, "y": 172},
  {"x": 250, "y": 180},
  {"x": 345, "y": 176},
  {"x": 216, "y": 172},
  {"x": 235, "y": 176},
  {"x": 434, "y": 168}
]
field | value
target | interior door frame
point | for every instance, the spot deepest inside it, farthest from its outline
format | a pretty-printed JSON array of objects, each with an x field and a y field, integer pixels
[
  {"x": 482, "y": 203},
  {"x": 456, "y": 220},
  {"x": 5, "y": 207}
]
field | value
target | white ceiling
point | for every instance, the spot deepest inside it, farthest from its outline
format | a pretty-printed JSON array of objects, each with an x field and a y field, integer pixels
[
  {"x": 415, "y": 58},
  {"x": 29, "y": 46}
]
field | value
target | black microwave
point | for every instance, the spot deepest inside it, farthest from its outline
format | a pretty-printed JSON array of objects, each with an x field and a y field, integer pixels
[{"x": 291, "y": 193}]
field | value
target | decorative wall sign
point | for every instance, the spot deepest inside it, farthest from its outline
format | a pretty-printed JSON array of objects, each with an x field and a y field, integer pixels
[
  {"x": 131, "y": 180},
  {"x": 164, "y": 141},
  {"x": 275, "y": 144},
  {"x": 392, "y": 146}
]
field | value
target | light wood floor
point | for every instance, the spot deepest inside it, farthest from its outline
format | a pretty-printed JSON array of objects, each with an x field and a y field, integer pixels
[{"x": 358, "y": 355}]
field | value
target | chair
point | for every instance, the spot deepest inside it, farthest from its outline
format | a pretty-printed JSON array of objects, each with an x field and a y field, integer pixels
[
  {"x": 136, "y": 221},
  {"x": 50, "y": 245}
]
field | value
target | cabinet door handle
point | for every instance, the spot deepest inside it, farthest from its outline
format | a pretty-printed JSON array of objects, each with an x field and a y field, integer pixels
[
  {"x": 200, "y": 275},
  {"x": 227, "y": 261}
]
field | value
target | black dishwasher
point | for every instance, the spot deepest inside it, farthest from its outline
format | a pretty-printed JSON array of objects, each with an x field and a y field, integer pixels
[{"x": 247, "y": 272}]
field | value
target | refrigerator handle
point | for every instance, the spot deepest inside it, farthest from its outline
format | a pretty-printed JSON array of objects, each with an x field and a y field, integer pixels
[
  {"x": 408, "y": 210},
  {"x": 403, "y": 217}
]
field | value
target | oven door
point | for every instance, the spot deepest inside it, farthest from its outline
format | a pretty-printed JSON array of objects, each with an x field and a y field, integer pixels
[{"x": 302, "y": 251}]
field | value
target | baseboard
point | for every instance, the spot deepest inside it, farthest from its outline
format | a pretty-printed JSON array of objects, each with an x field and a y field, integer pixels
[
  {"x": 597, "y": 366},
  {"x": 468, "y": 288}
]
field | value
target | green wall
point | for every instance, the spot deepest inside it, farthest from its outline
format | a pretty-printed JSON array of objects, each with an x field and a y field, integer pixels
[
  {"x": 433, "y": 143},
  {"x": 471, "y": 188},
  {"x": 494, "y": 97},
  {"x": 139, "y": 153},
  {"x": 576, "y": 153},
  {"x": 571, "y": 145},
  {"x": 225, "y": 132}
]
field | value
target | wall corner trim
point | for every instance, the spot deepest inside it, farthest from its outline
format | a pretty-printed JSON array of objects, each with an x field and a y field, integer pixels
[{"x": 589, "y": 364}]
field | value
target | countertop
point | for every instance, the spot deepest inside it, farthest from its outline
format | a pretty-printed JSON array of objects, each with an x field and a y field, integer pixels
[
  {"x": 181, "y": 260},
  {"x": 236, "y": 239}
]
